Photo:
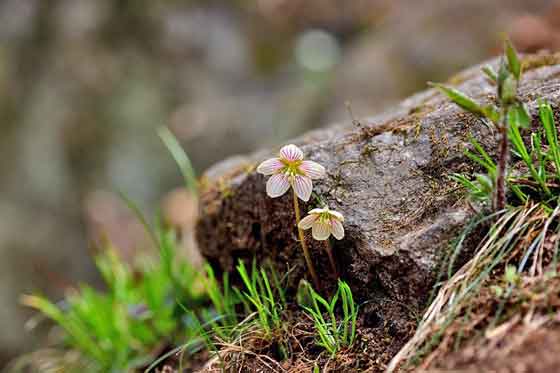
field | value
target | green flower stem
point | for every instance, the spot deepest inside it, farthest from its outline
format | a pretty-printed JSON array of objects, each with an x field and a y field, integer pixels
[
  {"x": 303, "y": 244},
  {"x": 328, "y": 247}
]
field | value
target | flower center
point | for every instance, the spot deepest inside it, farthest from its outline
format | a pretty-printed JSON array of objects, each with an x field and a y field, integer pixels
[{"x": 292, "y": 168}]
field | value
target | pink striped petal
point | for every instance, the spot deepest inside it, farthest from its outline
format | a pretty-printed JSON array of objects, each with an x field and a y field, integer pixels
[
  {"x": 270, "y": 166},
  {"x": 313, "y": 169},
  {"x": 337, "y": 229},
  {"x": 291, "y": 153},
  {"x": 277, "y": 185},
  {"x": 337, "y": 215},
  {"x": 321, "y": 230},
  {"x": 303, "y": 187},
  {"x": 307, "y": 222}
]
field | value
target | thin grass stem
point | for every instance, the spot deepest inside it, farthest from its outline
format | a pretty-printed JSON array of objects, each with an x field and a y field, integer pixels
[{"x": 328, "y": 248}]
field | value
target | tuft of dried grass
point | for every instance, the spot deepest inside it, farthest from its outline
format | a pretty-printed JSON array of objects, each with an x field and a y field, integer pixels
[{"x": 527, "y": 236}]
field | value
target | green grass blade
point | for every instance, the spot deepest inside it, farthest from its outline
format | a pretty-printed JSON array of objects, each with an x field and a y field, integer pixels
[
  {"x": 551, "y": 133},
  {"x": 181, "y": 158},
  {"x": 140, "y": 216}
]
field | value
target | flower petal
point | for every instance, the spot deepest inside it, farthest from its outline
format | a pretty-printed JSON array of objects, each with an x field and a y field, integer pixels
[
  {"x": 270, "y": 166},
  {"x": 337, "y": 229},
  {"x": 303, "y": 187},
  {"x": 321, "y": 230},
  {"x": 277, "y": 185},
  {"x": 307, "y": 222},
  {"x": 337, "y": 215},
  {"x": 317, "y": 211},
  {"x": 313, "y": 169},
  {"x": 291, "y": 153}
]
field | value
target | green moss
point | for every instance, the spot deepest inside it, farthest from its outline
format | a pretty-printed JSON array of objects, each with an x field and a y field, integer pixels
[
  {"x": 224, "y": 189},
  {"x": 368, "y": 150}
]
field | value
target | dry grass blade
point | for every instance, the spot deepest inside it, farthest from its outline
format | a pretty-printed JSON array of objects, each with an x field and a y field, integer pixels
[
  {"x": 238, "y": 353},
  {"x": 518, "y": 230}
]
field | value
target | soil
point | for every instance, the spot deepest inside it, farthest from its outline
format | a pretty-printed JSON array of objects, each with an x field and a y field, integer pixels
[
  {"x": 379, "y": 337},
  {"x": 537, "y": 352}
]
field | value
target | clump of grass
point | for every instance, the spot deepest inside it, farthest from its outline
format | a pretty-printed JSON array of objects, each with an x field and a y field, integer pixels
[
  {"x": 261, "y": 300},
  {"x": 264, "y": 296},
  {"x": 247, "y": 319},
  {"x": 331, "y": 335},
  {"x": 126, "y": 326},
  {"x": 261, "y": 339}
]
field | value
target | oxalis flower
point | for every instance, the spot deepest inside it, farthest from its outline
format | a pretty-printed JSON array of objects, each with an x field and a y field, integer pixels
[
  {"x": 323, "y": 222},
  {"x": 289, "y": 169}
]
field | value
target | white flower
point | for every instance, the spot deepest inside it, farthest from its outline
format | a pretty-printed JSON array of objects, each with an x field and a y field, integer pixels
[
  {"x": 323, "y": 222},
  {"x": 289, "y": 169}
]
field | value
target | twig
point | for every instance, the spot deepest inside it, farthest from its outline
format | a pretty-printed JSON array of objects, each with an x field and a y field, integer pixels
[{"x": 502, "y": 165}]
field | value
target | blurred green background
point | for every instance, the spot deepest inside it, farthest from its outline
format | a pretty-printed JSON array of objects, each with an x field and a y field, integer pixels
[{"x": 84, "y": 85}]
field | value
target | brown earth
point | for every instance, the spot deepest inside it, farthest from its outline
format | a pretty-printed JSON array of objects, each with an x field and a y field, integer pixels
[
  {"x": 535, "y": 351},
  {"x": 526, "y": 338}
]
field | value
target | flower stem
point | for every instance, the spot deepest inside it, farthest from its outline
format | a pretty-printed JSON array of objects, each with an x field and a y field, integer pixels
[
  {"x": 328, "y": 247},
  {"x": 502, "y": 165},
  {"x": 303, "y": 244}
]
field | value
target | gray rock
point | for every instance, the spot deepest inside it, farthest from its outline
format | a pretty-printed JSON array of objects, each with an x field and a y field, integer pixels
[{"x": 389, "y": 177}]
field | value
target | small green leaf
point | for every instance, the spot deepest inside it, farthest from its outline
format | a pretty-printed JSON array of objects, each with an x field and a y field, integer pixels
[
  {"x": 507, "y": 90},
  {"x": 484, "y": 159},
  {"x": 547, "y": 118},
  {"x": 490, "y": 73},
  {"x": 485, "y": 182},
  {"x": 546, "y": 114},
  {"x": 460, "y": 98},
  {"x": 518, "y": 116},
  {"x": 512, "y": 58},
  {"x": 525, "y": 115},
  {"x": 519, "y": 193},
  {"x": 464, "y": 181},
  {"x": 503, "y": 72}
]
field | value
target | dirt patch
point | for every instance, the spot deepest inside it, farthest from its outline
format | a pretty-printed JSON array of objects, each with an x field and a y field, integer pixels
[
  {"x": 524, "y": 351},
  {"x": 381, "y": 331}
]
